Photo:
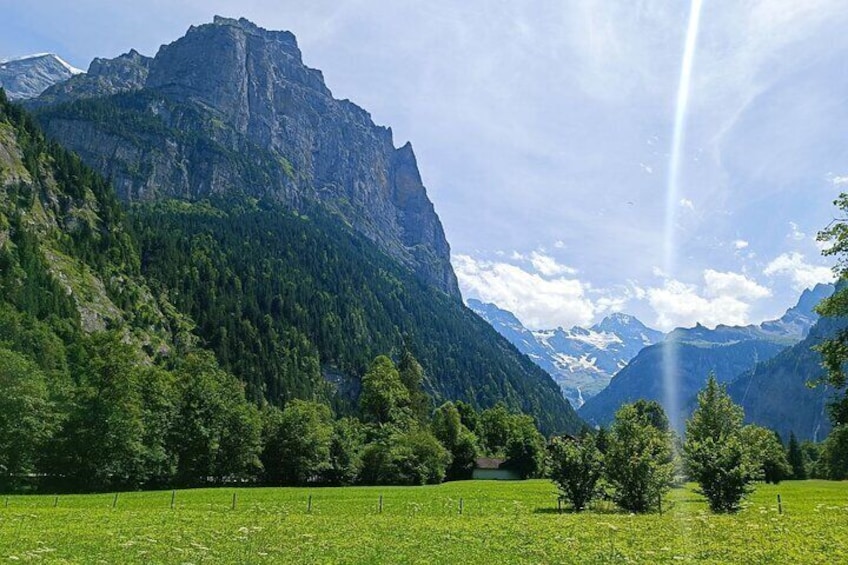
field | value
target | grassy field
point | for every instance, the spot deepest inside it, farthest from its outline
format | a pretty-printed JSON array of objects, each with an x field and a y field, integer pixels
[{"x": 500, "y": 523}]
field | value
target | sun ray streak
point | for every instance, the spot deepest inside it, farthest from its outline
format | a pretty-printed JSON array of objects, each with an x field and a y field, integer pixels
[{"x": 672, "y": 400}]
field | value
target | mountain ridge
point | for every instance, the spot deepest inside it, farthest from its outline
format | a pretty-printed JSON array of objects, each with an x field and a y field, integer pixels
[
  {"x": 30, "y": 75},
  {"x": 727, "y": 351},
  {"x": 582, "y": 361}
]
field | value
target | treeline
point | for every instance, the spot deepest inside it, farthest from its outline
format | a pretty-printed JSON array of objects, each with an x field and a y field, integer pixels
[
  {"x": 638, "y": 459},
  {"x": 286, "y": 300},
  {"x": 121, "y": 424}
]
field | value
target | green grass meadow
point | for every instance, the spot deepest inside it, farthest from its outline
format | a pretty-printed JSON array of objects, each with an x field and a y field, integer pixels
[{"x": 515, "y": 522}]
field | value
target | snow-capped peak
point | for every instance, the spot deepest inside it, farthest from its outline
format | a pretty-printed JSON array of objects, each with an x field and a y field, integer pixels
[{"x": 70, "y": 68}]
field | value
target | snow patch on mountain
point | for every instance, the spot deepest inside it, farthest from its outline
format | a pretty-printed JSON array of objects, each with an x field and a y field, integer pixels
[{"x": 581, "y": 360}]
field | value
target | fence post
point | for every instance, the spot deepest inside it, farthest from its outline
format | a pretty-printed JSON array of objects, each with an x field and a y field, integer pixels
[
  {"x": 779, "y": 505},
  {"x": 115, "y": 500},
  {"x": 460, "y": 506},
  {"x": 309, "y": 504},
  {"x": 234, "y": 501},
  {"x": 380, "y": 510},
  {"x": 173, "y": 498},
  {"x": 55, "y": 501}
]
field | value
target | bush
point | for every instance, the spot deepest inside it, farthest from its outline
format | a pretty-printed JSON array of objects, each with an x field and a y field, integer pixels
[
  {"x": 576, "y": 466},
  {"x": 411, "y": 458},
  {"x": 639, "y": 463}
]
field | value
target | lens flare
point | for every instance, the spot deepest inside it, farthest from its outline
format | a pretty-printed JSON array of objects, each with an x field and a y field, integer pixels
[{"x": 672, "y": 401}]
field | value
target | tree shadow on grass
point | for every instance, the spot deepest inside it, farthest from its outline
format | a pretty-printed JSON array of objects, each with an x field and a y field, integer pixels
[{"x": 598, "y": 507}]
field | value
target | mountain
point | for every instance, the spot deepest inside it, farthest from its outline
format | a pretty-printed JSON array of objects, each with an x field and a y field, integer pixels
[
  {"x": 776, "y": 393},
  {"x": 284, "y": 223},
  {"x": 65, "y": 254},
  {"x": 27, "y": 77},
  {"x": 728, "y": 351},
  {"x": 258, "y": 121},
  {"x": 581, "y": 361}
]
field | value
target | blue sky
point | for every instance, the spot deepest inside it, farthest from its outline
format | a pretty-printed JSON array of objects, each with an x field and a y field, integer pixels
[{"x": 543, "y": 131}]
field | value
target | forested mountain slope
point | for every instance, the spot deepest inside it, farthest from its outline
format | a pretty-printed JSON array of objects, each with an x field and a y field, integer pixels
[
  {"x": 780, "y": 393},
  {"x": 284, "y": 222}
]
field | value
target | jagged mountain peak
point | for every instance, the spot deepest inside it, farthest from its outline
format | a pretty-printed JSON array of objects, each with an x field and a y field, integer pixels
[
  {"x": 581, "y": 360},
  {"x": 236, "y": 103},
  {"x": 30, "y": 75},
  {"x": 619, "y": 321}
]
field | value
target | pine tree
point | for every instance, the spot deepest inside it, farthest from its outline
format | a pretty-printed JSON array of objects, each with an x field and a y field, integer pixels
[{"x": 796, "y": 458}]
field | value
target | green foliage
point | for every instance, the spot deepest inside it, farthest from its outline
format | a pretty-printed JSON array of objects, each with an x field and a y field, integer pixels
[
  {"x": 28, "y": 417},
  {"x": 834, "y": 351},
  {"x": 495, "y": 429},
  {"x": 638, "y": 461},
  {"x": 833, "y": 462},
  {"x": 812, "y": 457},
  {"x": 513, "y": 436},
  {"x": 653, "y": 411},
  {"x": 716, "y": 455},
  {"x": 767, "y": 452},
  {"x": 460, "y": 442},
  {"x": 101, "y": 443},
  {"x": 576, "y": 466},
  {"x": 405, "y": 458},
  {"x": 469, "y": 416},
  {"x": 412, "y": 376},
  {"x": 525, "y": 449},
  {"x": 384, "y": 398},
  {"x": 219, "y": 432},
  {"x": 795, "y": 458},
  {"x": 297, "y": 443},
  {"x": 346, "y": 447}
]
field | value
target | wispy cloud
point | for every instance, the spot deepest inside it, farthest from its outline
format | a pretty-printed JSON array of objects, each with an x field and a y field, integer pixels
[
  {"x": 802, "y": 274},
  {"x": 723, "y": 298}
]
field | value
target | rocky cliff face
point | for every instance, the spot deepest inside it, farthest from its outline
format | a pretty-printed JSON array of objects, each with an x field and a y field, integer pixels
[
  {"x": 231, "y": 107},
  {"x": 125, "y": 73},
  {"x": 27, "y": 77}
]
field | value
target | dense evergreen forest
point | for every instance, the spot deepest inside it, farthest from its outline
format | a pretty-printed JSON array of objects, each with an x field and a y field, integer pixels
[
  {"x": 107, "y": 384},
  {"x": 294, "y": 304}
]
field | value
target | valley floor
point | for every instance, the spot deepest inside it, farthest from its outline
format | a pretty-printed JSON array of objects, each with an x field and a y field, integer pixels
[{"x": 515, "y": 522}]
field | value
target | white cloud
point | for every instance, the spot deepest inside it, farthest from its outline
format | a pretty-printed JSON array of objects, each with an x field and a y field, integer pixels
[
  {"x": 725, "y": 298},
  {"x": 686, "y": 203},
  {"x": 539, "y": 302},
  {"x": 803, "y": 275},
  {"x": 795, "y": 233},
  {"x": 839, "y": 180},
  {"x": 548, "y": 266},
  {"x": 647, "y": 168},
  {"x": 740, "y": 244},
  {"x": 559, "y": 244},
  {"x": 736, "y": 285}
]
